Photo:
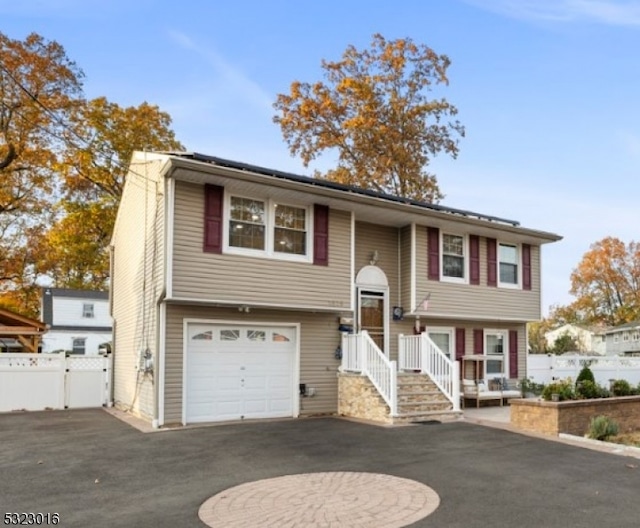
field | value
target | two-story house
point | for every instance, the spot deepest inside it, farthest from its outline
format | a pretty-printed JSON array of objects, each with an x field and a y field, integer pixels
[
  {"x": 79, "y": 321},
  {"x": 590, "y": 340},
  {"x": 244, "y": 292},
  {"x": 624, "y": 340}
]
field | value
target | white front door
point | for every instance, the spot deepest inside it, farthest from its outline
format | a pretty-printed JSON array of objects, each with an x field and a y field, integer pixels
[{"x": 239, "y": 371}]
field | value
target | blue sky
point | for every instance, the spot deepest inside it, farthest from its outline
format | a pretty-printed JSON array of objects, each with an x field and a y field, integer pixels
[{"x": 548, "y": 91}]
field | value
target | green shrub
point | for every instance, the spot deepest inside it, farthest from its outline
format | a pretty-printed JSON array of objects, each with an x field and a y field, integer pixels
[
  {"x": 602, "y": 427},
  {"x": 621, "y": 388},
  {"x": 588, "y": 390},
  {"x": 528, "y": 386},
  {"x": 585, "y": 375},
  {"x": 563, "y": 388}
]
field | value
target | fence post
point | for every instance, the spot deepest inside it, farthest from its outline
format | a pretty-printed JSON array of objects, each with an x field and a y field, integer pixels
[
  {"x": 424, "y": 358},
  {"x": 394, "y": 388},
  {"x": 362, "y": 349},
  {"x": 455, "y": 382},
  {"x": 64, "y": 381}
]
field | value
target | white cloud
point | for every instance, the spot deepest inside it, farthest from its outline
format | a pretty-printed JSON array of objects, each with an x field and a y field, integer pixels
[
  {"x": 227, "y": 78},
  {"x": 609, "y": 12}
]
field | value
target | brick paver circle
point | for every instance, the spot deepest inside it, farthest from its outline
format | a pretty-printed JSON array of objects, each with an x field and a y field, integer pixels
[{"x": 337, "y": 499}]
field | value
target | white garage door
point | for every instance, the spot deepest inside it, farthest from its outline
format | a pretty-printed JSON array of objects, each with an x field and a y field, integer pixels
[{"x": 235, "y": 372}]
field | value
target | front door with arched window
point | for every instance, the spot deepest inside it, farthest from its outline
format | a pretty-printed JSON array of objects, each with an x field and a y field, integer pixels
[
  {"x": 372, "y": 289},
  {"x": 372, "y": 315}
]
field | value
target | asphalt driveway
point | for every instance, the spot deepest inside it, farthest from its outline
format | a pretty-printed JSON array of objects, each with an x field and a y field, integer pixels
[{"x": 95, "y": 470}]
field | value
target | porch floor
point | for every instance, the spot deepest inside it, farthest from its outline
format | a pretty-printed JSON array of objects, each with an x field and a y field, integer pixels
[{"x": 489, "y": 413}]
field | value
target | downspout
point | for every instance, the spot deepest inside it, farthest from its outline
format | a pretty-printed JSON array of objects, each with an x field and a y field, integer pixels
[
  {"x": 160, "y": 334},
  {"x": 112, "y": 267},
  {"x": 158, "y": 413}
]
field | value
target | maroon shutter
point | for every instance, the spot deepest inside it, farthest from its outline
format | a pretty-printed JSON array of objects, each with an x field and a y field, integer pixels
[
  {"x": 492, "y": 262},
  {"x": 459, "y": 343},
  {"x": 513, "y": 354},
  {"x": 213, "y": 199},
  {"x": 433, "y": 253},
  {"x": 320, "y": 235},
  {"x": 474, "y": 259},
  {"x": 526, "y": 266},
  {"x": 478, "y": 341}
]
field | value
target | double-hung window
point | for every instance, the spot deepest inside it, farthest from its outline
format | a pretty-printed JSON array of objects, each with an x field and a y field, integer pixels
[
  {"x": 290, "y": 230},
  {"x": 267, "y": 228},
  {"x": 508, "y": 270},
  {"x": 78, "y": 345},
  {"x": 495, "y": 342},
  {"x": 247, "y": 223},
  {"x": 443, "y": 338},
  {"x": 87, "y": 310},
  {"x": 454, "y": 261}
]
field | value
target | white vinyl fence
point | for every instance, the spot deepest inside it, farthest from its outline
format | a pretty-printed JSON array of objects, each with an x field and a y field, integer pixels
[
  {"x": 543, "y": 368},
  {"x": 35, "y": 382}
]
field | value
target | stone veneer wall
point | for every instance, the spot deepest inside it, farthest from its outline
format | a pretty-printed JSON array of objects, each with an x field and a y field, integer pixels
[
  {"x": 358, "y": 398},
  {"x": 574, "y": 417}
]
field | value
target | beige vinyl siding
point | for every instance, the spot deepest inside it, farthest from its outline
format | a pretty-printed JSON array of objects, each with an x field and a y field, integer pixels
[
  {"x": 405, "y": 269},
  {"x": 136, "y": 284},
  {"x": 478, "y": 301},
  {"x": 255, "y": 280},
  {"x": 319, "y": 338},
  {"x": 384, "y": 240}
]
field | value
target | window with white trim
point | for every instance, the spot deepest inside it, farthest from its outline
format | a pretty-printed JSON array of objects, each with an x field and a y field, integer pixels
[
  {"x": 290, "y": 230},
  {"x": 443, "y": 337},
  {"x": 247, "y": 223},
  {"x": 495, "y": 348},
  {"x": 508, "y": 268},
  {"x": 625, "y": 336},
  {"x": 453, "y": 258},
  {"x": 266, "y": 228},
  {"x": 78, "y": 345},
  {"x": 87, "y": 310},
  {"x": 616, "y": 338}
]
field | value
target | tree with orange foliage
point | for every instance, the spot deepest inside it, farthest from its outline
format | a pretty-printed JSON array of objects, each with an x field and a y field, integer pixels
[
  {"x": 375, "y": 111},
  {"x": 74, "y": 250},
  {"x": 606, "y": 283},
  {"x": 39, "y": 90},
  {"x": 63, "y": 161}
]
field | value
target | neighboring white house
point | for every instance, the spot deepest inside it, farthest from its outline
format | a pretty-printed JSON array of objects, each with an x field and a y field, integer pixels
[
  {"x": 592, "y": 340},
  {"x": 78, "y": 320},
  {"x": 624, "y": 339}
]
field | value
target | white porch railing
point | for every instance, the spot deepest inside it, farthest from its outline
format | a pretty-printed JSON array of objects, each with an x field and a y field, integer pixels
[
  {"x": 361, "y": 354},
  {"x": 421, "y": 353}
]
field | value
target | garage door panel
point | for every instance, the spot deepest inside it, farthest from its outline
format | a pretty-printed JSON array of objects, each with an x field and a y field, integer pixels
[
  {"x": 236, "y": 371},
  {"x": 280, "y": 405},
  {"x": 279, "y": 386}
]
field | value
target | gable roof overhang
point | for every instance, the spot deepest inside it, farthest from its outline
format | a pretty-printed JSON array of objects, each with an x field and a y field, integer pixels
[
  {"x": 367, "y": 205},
  {"x": 21, "y": 328},
  {"x": 633, "y": 325}
]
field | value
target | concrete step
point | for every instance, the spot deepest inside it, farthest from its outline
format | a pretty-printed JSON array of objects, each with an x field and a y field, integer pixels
[
  {"x": 431, "y": 406},
  {"x": 421, "y": 396},
  {"x": 433, "y": 416}
]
